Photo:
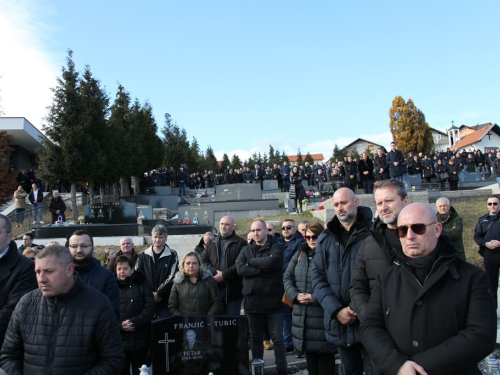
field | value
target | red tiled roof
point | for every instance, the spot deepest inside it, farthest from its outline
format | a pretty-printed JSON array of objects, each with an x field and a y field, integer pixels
[
  {"x": 471, "y": 138},
  {"x": 318, "y": 157}
]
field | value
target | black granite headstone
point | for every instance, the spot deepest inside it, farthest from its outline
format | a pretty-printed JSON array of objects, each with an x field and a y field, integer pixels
[
  {"x": 464, "y": 176},
  {"x": 270, "y": 185},
  {"x": 413, "y": 179},
  {"x": 238, "y": 192},
  {"x": 197, "y": 215},
  {"x": 111, "y": 213},
  {"x": 145, "y": 211},
  {"x": 189, "y": 345}
]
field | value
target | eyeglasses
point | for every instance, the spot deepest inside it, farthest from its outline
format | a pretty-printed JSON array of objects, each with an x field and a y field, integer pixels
[
  {"x": 492, "y": 203},
  {"x": 288, "y": 227},
  {"x": 415, "y": 228},
  {"x": 83, "y": 246},
  {"x": 311, "y": 238}
]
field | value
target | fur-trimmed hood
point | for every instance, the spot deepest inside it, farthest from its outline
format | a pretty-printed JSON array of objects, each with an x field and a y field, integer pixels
[{"x": 180, "y": 276}]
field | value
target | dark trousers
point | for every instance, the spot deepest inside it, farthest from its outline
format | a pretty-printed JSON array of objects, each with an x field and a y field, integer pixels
[
  {"x": 354, "y": 360},
  {"x": 491, "y": 266},
  {"x": 286, "y": 184},
  {"x": 136, "y": 358},
  {"x": 287, "y": 322},
  {"x": 321, "y": 363},
  {"x": 368, "y": 186},
  {"x": 256, "y": 323}
]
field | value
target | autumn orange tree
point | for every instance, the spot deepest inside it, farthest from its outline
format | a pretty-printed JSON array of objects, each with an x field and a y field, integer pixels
[{"x": 409, "y": 129}]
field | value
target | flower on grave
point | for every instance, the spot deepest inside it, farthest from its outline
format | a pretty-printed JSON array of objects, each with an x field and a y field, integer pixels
[
  {"x": 190, "y": 222},
  {"x": 181, "y": 222},
  {"x": 321, "y": 208}
]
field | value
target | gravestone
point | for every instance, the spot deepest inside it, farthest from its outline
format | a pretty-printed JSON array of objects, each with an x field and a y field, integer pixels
[
  {"x": 145, "y": 211},
  {"x": 164, "y": 201},
  {"x": 270, "y": 185},
  {"x": 197, "y": 215},
  {"x": 111, "y": 213},
  {"x": 305, "y": 183},
  {"x": 413, "y": 179},
  {"x": 185, "y": 345},
  {"x": 464, "y": 176},
  {"x": 138, "y": 199},
  {"x": 237, "y": 192}
]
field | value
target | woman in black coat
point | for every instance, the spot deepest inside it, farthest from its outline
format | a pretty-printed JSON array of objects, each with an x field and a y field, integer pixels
[
  {"x": 440, "y": 169},
  {"x": 137, "y": 307},
  {"x": 453, "y": 171},
  {"x": 297, "y": 192},
  {"x": 308, "y": 331},
  {"x": 365, "y": 168},
  {"x": 470, "y": 163}
]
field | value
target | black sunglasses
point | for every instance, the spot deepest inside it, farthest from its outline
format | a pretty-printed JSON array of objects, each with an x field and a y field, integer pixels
[
  {"x": 415, "y": 228},
  {"x": 288, "y": 227},
  {"x": 492, "y": 203},
  {"x": 309, "y": 238}
]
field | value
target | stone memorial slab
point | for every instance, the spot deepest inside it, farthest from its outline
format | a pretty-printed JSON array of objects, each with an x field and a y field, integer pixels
[
  {"x": 413, "y": 179},
  {"x": 305, "y": 184},
  {"x": 145, "y": 211},
  {"x": 270, "y": 185},
  {"x": 163, "y": 190},
  {"x": 111, "y": 213},
  {"x": 185, "y": 345},
  {"x": 197, "y": 215},
  {"x": 138, "y": 199},
  {"x": 164, "y": 201},
  {"x": 237, "y": 192},
  {"x": 464, "y": 176}
]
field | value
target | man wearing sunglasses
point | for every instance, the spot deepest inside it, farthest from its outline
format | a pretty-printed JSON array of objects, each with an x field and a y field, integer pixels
[
  {"x": 376, "y": 253},
  {"x": 291, "y": 240},
  {"x": 431, "y": 312},
  {"x": 336, "y": 252},
  {"x": 487, "y": 236}
]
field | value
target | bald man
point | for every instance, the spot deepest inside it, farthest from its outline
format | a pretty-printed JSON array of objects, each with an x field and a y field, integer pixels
[
  {"x": 336, "y": 252},
  {"x": 431, "y": 312},
  {"x": 219, "y": 257}
]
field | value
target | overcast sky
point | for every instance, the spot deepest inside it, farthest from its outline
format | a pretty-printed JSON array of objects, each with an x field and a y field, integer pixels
[{"x": 242, "y": 75}]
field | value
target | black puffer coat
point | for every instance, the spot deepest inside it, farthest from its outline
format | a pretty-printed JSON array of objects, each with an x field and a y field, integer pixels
[
  {"x": 296, "y": 188},
  {"x": 201, "y": 298},
  {"x": 308, "y": 331},
  {"x": 137, "y": 305},
  {"x": 260, "y": 267},
  {"x": 73, "y": 333},
  {"x": 331, "y": 275}
]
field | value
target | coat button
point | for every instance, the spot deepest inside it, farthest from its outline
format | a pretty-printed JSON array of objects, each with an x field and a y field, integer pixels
[
  {"x": 415, "y": 343},
  {"x": 419, "y": 303}
]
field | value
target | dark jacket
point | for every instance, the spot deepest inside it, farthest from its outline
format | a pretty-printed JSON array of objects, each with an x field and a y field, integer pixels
[
  {"x": 374, "y": 256},
  {"x": 350, "y": 169},
  {"x": 453, "y": 168},
  {"x": 296, "y": 188},
  {"x": 159, "y": 276},
  {"x": 229, "y": 178},
  {"x": 496, "y": 167},
  {"x": 17, "y": 277},
  {"x": 200, "y": 298},
  {"x": 447, "y": 325},
  {"x": 261, "y": 269},
  {"x": 290, "y": 247},
  {"x": 211, "y": 258},
  {"x": 481, "y": 236},
  {"x": 427, "y": 167},
  {"x": 112, "y": 263},
  {"x": 453, "y": 226},
  {"x": 398, "y": 157},
  {"x": 74, "y": 333},
  {"x": 137, "y": 305},
  {"x": 366, "y": 166},
  {"x": 331, "y": 275},
  {"x": 38, "y": 198},
  {"x": 378, "y": 164},
  {"x": 308, "y": 330},
  {"x": 56, "y": 204},
  {"x": 101, "y": 279}
]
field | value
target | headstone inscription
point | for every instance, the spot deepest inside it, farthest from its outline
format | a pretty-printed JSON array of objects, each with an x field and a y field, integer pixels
[
  {"x": 111, "y": 213},
  {"x": 189, "y": 345}
]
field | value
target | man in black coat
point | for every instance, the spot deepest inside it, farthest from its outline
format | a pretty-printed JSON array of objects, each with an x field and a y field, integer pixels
[
  {"x": 430, "y": 312},
  {"x": 90, "y": 271},
  {"x": 260, "y": 264},
  {"x": 396, "y": 162},
  {"x": 487, "y": 236},
  {"x": 62, "y": 327},
  {"x": 219, "y": 257},
  {"x": 17, "y": 275}
]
